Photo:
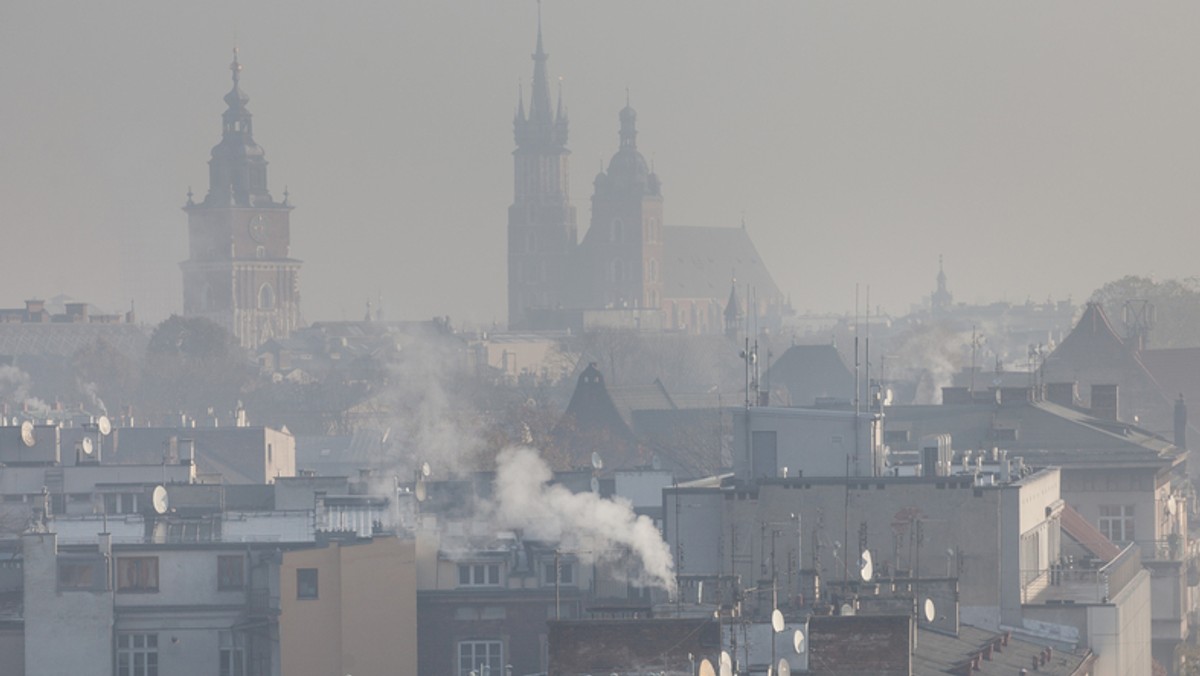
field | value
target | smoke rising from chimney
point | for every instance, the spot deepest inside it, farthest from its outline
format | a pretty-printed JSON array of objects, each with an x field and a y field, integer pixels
[{"x": 581, "y": 523}]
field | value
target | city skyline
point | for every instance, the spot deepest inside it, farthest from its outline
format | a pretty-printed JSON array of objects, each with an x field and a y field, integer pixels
[{"x": 858, "y": 144}]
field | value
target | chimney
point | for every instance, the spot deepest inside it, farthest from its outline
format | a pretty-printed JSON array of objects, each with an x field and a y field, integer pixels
[
  {"x": 1105, "y": 402},
  {"x": 1063, "y": 394},
  {"x": 1180, "y": 424},
  {"x": 35, "y": 310}
]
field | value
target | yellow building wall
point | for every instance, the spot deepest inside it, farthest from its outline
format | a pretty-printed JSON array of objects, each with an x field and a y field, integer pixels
[{"x": 364, "y": 619}]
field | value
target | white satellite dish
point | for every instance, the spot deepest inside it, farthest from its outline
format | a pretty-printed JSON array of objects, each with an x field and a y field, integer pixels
[
  {"x": 777, "y": 620},
  {"x": 104, "y": 425},
  {"x": 726, "y": 664},
  {"x": 419, "y": 490},
  {"x": 159, "y": 500},
  {"x": 866, "y": 567},
  {"x": 706, "y": 669},
  {"x": 784, "y": 669},
  {"x": 425, "y": 469},
  {"x": 798, "y": 641},
  {"x": 85, "y": 445},
  {"x": 597, "y": 461},
  {"x": 930, "y": 610},
  {"x": 27, "y": 437},
  {"x": 595, "y": 485}
]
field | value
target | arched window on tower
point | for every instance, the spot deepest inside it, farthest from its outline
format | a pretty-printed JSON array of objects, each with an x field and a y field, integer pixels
[
  {"x": 653, "y": 270},
  {"x": 266, "y": 297}
]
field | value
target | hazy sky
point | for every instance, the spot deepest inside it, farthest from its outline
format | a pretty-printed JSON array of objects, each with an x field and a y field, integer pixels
[{"x": 1043, "y": 147}]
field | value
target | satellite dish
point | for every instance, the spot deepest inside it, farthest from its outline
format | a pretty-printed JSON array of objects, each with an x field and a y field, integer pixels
[
  {"x": 798, "y": 641},
  {"x": 419, "y": 491},
  {"x": 847, "y": 609},
  {"x": 597, "y": 461},
  {"x": 777, "y": 620},
  {"x": 159, "y": 500},
  {"x": 104, "y": 425},
  {"x": 726, "y": 664},
  {"x": 595, "y": 485},
  {"x": 866, "y": 567},
  {"x": 85, "y": 445},
  {"x": 706, "y": 669},
  {"x": 27, "y": 437},
  {"x": 784, "y": 669},
  {"x": 425, "y": 470},
  {"x": 930, "y": 610}
]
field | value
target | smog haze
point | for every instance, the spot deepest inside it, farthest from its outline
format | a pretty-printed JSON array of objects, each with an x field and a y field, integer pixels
[{"x": 1043, "y": 148}]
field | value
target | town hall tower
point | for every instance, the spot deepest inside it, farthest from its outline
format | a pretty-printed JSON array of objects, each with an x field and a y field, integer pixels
[{"x": 239, "y": 273}]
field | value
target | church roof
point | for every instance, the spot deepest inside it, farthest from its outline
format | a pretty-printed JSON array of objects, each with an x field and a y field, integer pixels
[
  {"x": 698, "y": 262},
  {"x": 811, "y": 371}
]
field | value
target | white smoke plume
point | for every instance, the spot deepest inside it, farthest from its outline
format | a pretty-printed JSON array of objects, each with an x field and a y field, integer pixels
[
  {"x": 595, "y": 527},
  {"x": 14, "y": 389}
]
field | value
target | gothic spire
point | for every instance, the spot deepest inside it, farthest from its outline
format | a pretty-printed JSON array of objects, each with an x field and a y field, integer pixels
[
  {"x": 542, "y": 127},
  {"x": 539, "y": 104}
]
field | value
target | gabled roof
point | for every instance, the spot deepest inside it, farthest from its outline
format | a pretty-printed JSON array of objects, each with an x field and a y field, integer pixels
[
  {"x": 698, "y": 262},
  {"x": 592, "y": 423},
  {"x": 809, "y": 372}
]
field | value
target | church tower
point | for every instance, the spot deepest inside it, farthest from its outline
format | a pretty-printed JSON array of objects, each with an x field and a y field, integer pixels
[
  {"x": 624, "y": 244},
  {"x": 238, "y": 272},
  {"x": 541, "y": 221}
]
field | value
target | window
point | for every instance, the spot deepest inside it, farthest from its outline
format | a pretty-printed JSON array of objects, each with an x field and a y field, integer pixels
[
  {"x": 120, "y": 503},
  {"x": 480, "y": 657},
  {"x": 231, "y": 572},
  {"x": 1116, "y": 522},
  {"x": 233, "y": 654},
  {"x": 76, "y": 575},
  {"x": 266, "y": 297},
  {"x": 479, "y": 574},
  {"x": 566, "y": 573},
  {"x": 137, "y": 574},
  {"x": 137, "y": 655},
  {"x": 306, "y": 583}
]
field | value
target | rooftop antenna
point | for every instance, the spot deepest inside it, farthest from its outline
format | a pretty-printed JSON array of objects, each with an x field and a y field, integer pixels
[{"x": 867, "y": 356}]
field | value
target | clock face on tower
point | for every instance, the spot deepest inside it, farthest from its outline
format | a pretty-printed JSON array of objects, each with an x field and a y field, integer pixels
[{"x": 258, "y": 228}]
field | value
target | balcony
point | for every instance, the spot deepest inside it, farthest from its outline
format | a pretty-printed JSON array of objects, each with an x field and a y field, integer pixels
[{"x": 1081, "y": 583}]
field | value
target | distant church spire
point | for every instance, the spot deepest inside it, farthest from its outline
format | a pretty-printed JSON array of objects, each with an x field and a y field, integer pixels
[
  {"x": 238, "y": 169},
  {"x": 628, "y": 125},
  {"x": 941, "y": 299}
]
